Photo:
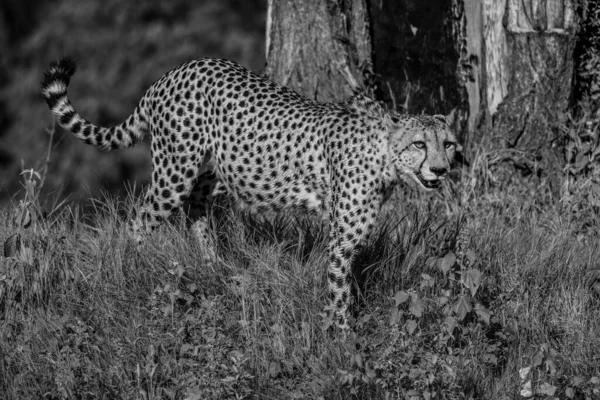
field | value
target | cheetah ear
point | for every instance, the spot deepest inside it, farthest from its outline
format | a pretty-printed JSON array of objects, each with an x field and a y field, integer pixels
[
  {"x": 441, "y": 118},
  {"x": 392, "y": 120},
  {"x": 449, "y": 119}
]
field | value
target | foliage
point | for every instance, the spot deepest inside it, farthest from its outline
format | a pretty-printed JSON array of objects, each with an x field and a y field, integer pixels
[
  {"x": 582, "y": 147},
  {"x": 470, "y": 302},
  {"x": 581, "y": 189},
  {"x": 433, "y": 328},
  {"x": 588, "y": 52}
]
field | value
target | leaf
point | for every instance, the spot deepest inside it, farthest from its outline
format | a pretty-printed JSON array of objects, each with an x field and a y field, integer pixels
[
  {"x": 431, "y": 262},
  {"x": 395, "y": 316},
  {"x": 577, "y": 380},
  {"x": 547, "y": 389},
  {"x": 581, "y": 160},
  {"x": 451, "y": 323},
  {"x": 22, "y": 214},
  {"x": 370, "y": 372},
  {"x": 400, "y": 297},
  {"x": 551, "y": 367},
  {"x": 274, "y": 369},
  {"x": 483, "y": 313},
  {"x": 471, "y": 256},
  {"x": 12, "y": 245},
  {"x": 30, "y": 188},
  {"x": 538, "y": 359},
  {"x": 446, "y": 262},
  {"x": 185, "y": 348},
  {"x": 526, "y": 391},
  {"x": 417, "y": 307},
  {"x": 569, "y": 392},
  {"x": 358, "y": 360},
  {"x": 462, "y": 307},
  {"x": 472, "y": 280},
  {"x": 195, "y": 394},
  {"x": 585, "y": 148},
  {"x": 411, "y": 326},
  {"x": 427, "y": 281},
  {"x": 490, "y": 358},
  {"x": 167, "y": 310}
]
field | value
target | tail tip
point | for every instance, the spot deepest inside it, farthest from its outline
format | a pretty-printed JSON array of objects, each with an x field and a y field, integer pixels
[
  {"x": 66, "y": 64},
  {"x": 61, "y": 70}
]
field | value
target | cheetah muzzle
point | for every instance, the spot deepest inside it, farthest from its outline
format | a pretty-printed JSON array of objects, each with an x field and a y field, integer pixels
[
  {"x": 429, "y": 184},
  {"x": 217, "y": 128}
]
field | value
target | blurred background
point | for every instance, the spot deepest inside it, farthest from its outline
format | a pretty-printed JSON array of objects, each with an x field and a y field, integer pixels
[{"x": 121, "y": 48}]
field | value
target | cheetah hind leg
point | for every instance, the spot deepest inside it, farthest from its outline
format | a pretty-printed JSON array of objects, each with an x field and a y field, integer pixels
[
  {"x": 162, "y": 197},
  {"x": 197, "y": 208}
]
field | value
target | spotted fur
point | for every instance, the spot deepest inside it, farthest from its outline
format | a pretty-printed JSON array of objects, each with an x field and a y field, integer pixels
[{"x": 217, "y": 127}]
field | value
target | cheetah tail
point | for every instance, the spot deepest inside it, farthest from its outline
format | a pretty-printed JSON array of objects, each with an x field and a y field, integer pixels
[{"x": 54, "y": 89}]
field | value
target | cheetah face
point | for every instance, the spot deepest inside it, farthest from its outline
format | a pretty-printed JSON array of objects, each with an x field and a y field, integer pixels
[{"x": 423, "y": 149}]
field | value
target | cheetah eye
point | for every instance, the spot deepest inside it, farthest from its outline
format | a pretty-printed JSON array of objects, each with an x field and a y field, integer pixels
[
  {"x": 419, "y": 145},
  {"x": 449, "y": 145}
]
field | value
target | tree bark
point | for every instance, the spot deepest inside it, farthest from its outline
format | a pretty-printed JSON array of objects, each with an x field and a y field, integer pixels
[
  {"x": 320, "y": 48},
  {"x": 503, "y": 68},
  {"x": 517, "y": 60}
]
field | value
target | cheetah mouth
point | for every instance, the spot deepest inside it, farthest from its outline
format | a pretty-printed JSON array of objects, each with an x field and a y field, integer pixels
[{"x": 429, "y": 184}]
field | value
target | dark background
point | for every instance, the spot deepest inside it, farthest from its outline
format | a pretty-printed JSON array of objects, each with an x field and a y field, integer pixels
[{"x": 121, "y": 48}]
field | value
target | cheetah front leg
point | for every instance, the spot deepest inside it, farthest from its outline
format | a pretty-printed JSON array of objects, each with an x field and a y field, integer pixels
[{"x": 350, "y": 227}]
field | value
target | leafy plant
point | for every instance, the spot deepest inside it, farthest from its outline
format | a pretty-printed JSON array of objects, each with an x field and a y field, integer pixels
[
  {"x": 536, "y": 379},
  {"x": 28, "y": 248},
  {"x": 588, "y": 52},
  {"x": 582, "y": 148}
]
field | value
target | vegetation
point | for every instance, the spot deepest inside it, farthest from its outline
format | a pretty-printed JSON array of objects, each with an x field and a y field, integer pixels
[{"x": 483, "y": 291}]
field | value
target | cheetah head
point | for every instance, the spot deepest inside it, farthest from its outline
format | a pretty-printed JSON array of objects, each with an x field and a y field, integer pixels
[{"x": 422, "y": 148}]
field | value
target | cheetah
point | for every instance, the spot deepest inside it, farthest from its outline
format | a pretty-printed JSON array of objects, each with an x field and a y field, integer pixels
[{"x": 216, "y": 127}]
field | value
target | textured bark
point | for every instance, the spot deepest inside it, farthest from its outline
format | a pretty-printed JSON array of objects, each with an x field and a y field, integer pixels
[
  {"x": 502, "y": 68},
  {"x": 320, "y": 48},
  {"x": 518, "y": 60}
]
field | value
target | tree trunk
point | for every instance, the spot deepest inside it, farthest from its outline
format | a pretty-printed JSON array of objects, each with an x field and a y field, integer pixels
[
  {"x": 517, "y": 60},
  {"x": 320, "y": 48},
  {"x": 503, "y": 68}
]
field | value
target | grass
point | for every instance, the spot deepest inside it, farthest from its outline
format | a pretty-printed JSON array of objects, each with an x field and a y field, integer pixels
[{"x": 512, "y": 309}]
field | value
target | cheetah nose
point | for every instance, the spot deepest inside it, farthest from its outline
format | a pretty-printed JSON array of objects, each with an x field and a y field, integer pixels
[{"x": 439, "y": 171}]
